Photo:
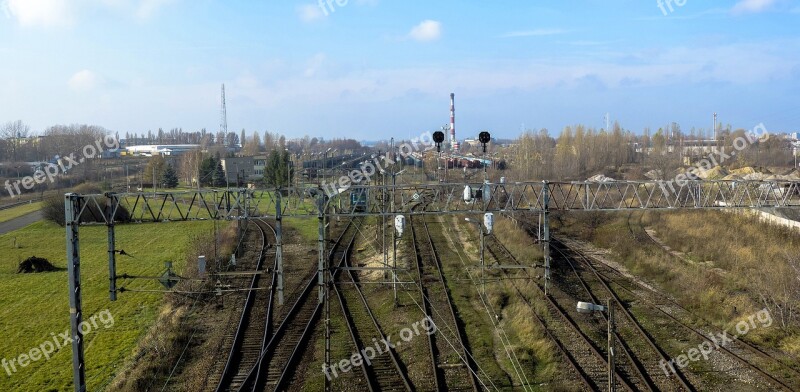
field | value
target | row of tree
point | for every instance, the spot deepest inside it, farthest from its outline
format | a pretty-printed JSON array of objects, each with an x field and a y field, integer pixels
[
  {"x": 161, "y": 173},
  {"x": 579, "y": 152},
  {"x": 18, "y": 145}
]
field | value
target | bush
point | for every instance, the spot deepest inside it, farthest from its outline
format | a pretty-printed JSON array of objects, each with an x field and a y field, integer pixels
[
  {"x": 35, "y": 264},
  {"x": 53, "y": 208}
]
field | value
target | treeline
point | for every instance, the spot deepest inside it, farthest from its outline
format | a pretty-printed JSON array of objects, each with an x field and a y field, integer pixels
[
  {"x": 17, "y": 144},
  {"x": 579, "y": 152},
  {"x": 178, "y": 136},
  {"x": 575, "y": 153}
]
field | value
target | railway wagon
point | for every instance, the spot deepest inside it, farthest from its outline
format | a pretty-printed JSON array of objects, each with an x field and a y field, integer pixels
[{"x": 359, "y": 200}]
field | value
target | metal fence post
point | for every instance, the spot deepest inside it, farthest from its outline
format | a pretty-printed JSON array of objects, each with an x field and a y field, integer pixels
[{"x": 72, "y": 207}]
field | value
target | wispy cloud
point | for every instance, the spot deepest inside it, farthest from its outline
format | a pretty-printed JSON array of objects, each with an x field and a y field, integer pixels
[
  {"x": 428, "y": 30},
  {"x": 752, "y": 6},
  {"x": 310, "y": 13},
  {"x": 591, "y": 43},
  {"x": 147, "y": 8},
  {"x": 40, "y": 12},
  {"x": 534, "y": 33},
  {"x": 64, "y": 13},
  {"x": 718, "y": 12},
  {"x": 84, "y": 80},
  {"x": 315, "y": 65}
]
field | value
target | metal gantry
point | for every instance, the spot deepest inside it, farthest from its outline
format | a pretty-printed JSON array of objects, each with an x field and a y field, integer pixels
[{"x": 310, "y": 202}]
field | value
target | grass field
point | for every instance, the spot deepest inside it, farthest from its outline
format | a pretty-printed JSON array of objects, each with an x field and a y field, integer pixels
[
  {"x": 35, "y": 307},
  {"x": 16, "y": 212}
]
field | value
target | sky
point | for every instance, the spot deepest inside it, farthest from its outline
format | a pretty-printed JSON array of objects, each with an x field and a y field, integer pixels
[{"x": 374, "y": 69}]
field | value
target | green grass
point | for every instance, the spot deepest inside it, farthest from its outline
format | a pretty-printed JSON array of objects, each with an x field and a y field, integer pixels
[
  {"x": 36, "y": 305},
  {"x": 307, "y": 227},
  {"x": 16, "y": 212}
]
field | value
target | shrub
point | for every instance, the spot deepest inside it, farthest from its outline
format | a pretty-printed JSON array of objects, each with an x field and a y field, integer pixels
[
  {"x": 53, "y": 208},
  {"x": 35, "y": 264}
]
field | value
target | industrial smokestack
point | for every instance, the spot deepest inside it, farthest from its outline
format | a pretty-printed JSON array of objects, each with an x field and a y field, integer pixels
[{"x": 453, "y": 141}]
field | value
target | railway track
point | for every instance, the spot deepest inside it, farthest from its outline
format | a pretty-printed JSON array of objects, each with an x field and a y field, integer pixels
[
  {"x": 451, "y": 361},
  {"x": 639, "y": 348},
  {"x": 743, "y": 352},
  {"x": 578, "y": 350},
  {"x": 282, "y": 353},
  {"x": 385, "y": 372},
  {"x": 253, "y": 326},
  {"x": 734, "y": 351}
]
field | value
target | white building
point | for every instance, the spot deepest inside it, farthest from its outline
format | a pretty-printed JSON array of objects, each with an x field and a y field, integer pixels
[{"x": 161, "y": 149}]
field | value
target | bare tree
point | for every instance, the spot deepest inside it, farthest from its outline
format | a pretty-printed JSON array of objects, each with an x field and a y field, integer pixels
[
  {"x": 189, "y": 166},
  {"x": 253, "y": 146},
  {"x": 13, "y": 133}
]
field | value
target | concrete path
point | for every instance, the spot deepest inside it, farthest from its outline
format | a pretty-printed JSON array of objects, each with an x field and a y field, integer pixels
[{"x": 18, "y": 223}]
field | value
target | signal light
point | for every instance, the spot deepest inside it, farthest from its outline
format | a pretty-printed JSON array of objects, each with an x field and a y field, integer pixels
[
  {"x": 484, "y": 137},
  {"x": 438, "y": 138}
]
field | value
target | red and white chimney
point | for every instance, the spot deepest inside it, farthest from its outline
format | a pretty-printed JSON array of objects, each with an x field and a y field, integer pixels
[{"x": 453, "y": 142}]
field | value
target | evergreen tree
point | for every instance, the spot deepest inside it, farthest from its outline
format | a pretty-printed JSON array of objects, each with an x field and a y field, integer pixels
[
  {"x": 169, "y": 178},
  {"x": 277, "y": 172},
  {"x": 155, "y": 169},
  {"x": 207, "y": 167},
  {"x": 218, "y": 178},
  {"x": 272, "y": 169}
]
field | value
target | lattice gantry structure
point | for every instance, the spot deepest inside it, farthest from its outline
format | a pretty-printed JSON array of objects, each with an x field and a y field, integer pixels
[
  {"x": 439, "y": 198},
  {"x": 322, "y": 202}
]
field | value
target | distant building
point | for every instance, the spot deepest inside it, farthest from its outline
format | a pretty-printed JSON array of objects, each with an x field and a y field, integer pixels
[
  {"x": 161, "y": 149},
  {"x": 248, "y": 169}
]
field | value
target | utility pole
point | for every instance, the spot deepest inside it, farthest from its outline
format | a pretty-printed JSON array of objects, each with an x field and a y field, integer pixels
[
  {"x": 72, "y": 207},
  {"x": 546, "y": 222},
  {"x": 112, "y": 252},
  {"x": 483, "y": 264},
  {"x": 394, "y": 235},
  {"x": 279, "y": 244},
  {"x": 323, "y": 279},
  {"x": 611, "y": 383},
  {"x": 154, "y": 182},
  {"x": 715, "y": 129}
]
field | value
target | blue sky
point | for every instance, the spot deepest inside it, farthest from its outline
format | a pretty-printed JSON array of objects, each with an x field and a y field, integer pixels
[{"x": 372, "y": 69}]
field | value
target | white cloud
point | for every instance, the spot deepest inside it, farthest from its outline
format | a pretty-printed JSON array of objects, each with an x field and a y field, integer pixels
[
  {"x": 40, "y": 12},
  {"x": 310, "y": 13},
  {"x": 84, "y": 80},
  {"x": 534, "y": 33},
  {"x": 752, "y": 6},
  {"x": 147, "y": 8},
  {"x": 62, "y": 13},
  {"x": 315, "y": 65},
  {"x": 428, "y": 30}
]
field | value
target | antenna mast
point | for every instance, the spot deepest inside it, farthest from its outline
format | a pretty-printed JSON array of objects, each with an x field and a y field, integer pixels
[{"x": 223, "y": 125}]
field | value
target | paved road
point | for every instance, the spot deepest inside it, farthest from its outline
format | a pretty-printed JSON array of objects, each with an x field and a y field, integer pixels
[{"x": 18, "y": 223}]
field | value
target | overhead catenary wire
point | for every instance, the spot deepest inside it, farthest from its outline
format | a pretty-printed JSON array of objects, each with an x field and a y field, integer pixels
[
  {"x": 491, "y": 313},
  {"x": 451, "y": 344}
]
